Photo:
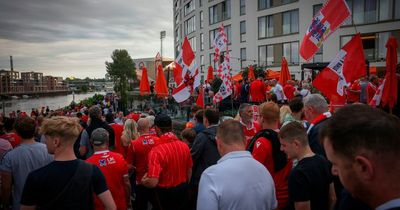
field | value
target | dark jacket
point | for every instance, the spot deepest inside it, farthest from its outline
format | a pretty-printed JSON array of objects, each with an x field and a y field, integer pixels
[
  {"x": 97, "y": 123},
  {"x": 204, "y": 153},
  {"x": 314, "y": 141}
]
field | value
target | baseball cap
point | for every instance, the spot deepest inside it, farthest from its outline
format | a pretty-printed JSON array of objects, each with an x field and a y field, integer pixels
[{"x": 99, "y": 136}]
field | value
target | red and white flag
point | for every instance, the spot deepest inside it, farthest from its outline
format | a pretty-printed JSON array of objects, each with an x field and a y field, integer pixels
[
  {"x": 220, "y": 43},
  {"x": 376, "y": 100},
  {"x": 347, "y": 66},
  {"x": 189, "y": 77},
  {"x": 325, "y": 22},
  {"x": 226, "y": 87}
]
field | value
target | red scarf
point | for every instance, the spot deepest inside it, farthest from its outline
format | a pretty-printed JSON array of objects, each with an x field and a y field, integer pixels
[{"x": 318, "y": 119}]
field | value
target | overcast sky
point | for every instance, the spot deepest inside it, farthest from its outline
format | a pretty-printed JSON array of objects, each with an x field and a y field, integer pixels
[{"x": 75, "y": 37}]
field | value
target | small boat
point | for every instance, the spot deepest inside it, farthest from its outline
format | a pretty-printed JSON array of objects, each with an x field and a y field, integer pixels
[
  {"x": 25, "y": 96},
  {"x": 14, "y": 97}
]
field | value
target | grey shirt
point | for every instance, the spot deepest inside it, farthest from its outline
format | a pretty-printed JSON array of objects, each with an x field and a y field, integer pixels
[
  {"x": 237, "y": 181},
  {"x": 20, "y": 162}
]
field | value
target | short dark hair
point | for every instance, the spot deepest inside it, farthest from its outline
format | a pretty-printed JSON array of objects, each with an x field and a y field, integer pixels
[
  {"x": 109, "y": 117},
  {"x": 25, "y": 127},
  {"x": 163, "y": 122},
  {"x": 231, "y": 132},
  {"x": 189, "y": 134},
  {"x": 296, "y": 104},
  {"x": 199, "y": 116},
  {"x": 95, "y": 112},
  {"x": 9, "y": 124},
  {"x": 361, "y": 127},
  {"x": 212, "y": 116},
  {"x": 294, "y": 130},
  {"x": 79, "y": 115}
]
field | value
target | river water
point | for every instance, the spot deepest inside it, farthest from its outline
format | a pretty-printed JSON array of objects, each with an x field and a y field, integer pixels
[{"x": 54, "y": 102}]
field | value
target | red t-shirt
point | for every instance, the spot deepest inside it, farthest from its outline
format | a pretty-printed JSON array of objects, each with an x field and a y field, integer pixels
[
  {"x": 288, "y": 90},
  {"x": 170, "y": 161},
  {"x": 262, "y": 152},
  {"x": 257, "y": 91},
  {"x": 118, "y": 129},
  {"x": 13, "y": 138},
  {"x": 85, "y": 118},
  {"x": 138, "y": 153},
  {"x": 114, "y": 168},
  {"x": 351, "y": 96},
  {"x": 249, "y": 132}
]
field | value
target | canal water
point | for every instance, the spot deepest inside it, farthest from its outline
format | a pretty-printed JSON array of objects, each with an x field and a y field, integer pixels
[{"x": 54, "y": 102}]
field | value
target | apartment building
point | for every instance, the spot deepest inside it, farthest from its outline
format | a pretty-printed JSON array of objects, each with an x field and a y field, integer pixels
[{"x": 262, "y": 31}]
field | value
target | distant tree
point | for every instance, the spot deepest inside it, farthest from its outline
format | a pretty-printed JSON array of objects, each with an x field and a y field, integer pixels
[{"x": 120, "y": 70}]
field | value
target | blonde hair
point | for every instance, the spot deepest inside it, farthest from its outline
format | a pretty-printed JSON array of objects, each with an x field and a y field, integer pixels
[
  {"x": 66, "y": 128},
  {"x": 130, "y": 130},
  {"x": 284, "y": 111}
]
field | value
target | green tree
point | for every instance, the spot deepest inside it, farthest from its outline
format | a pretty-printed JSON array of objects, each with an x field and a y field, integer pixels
[{"x": 120, "y": 70}]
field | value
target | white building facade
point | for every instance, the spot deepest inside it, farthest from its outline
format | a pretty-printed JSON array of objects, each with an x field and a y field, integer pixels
[{"x": 262, "y": 31}]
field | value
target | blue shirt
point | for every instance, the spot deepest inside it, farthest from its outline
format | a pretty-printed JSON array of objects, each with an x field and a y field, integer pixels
[{"x": 237, "y": 181}]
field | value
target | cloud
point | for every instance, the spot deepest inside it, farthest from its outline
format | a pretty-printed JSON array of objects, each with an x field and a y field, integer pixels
[{"x": 75, "y": 37}]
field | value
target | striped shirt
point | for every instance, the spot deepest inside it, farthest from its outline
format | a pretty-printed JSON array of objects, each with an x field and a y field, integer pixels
[{"x": 170, "y": 161}]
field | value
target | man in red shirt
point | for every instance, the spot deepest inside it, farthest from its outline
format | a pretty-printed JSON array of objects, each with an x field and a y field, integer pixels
[
  {"x": 118, "y": 129},
  {"x": 10, "y": 134},
  {"x": 137, "y": 158},
  {"x": 114, "y": 169},
  {"x": 265, "y": 148},
  {"x": 289, "y": 90},
  {"x": 250, "y": 127},
  {"x": 170, "y": 167},
  {"x": 353, "y": 93},
  {"x": 257, "y": 90}
]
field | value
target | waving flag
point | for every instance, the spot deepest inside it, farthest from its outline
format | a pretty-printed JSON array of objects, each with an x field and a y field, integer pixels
[
  {"x": 376, "y": 100},
  {"x": 200, "y": 98},
  {"x": 220, "y": 43},
  {"x": 347, "y": 66},
  {"x": 186, "y": 73},
  {"x": 144, "y": 83},
  {"x": 161, "y": 87},
  {"x": 325, "y": 22},
  {"x": 210, "y": 74},
  {"x": 389, "y": 95},
  {"x": 251, "y": 73}
]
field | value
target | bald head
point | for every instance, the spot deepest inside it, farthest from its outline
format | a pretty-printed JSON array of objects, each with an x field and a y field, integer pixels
[{"x": 143, "y": 125}]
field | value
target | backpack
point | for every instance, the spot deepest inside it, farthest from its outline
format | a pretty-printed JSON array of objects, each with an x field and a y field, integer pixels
[{"x": 279, "y": 157}]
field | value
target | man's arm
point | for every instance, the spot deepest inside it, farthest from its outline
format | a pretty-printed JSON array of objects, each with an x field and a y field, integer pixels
[
  {"x": 207, "y": 197},
  {"x": 27, "y": 207},
  {"x": 189, "y": 174},
  {"x": 6, "y": 183},
  {"x": 127, "y": 186},
  {"x": 332, "y": 196},
  {"x": 107, "y": 200},
  {"x": 197, "y": 148},
  {"x": 149, "y": 182},
  {"x": 304, "y": 205},
  {"x": 84, "y": 143}
]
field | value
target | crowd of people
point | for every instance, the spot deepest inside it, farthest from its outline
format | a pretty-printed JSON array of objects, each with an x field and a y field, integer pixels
[{"x": 283, "y": 150}]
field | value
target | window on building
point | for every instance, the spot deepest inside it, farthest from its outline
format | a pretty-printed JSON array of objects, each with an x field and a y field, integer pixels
[
  {"x": 189, "y": 7},
  {"x": 242, "y": 31},
  {"x": 201, "y": 63},
  {"x": 177, "y": 49},
  {"x": 220, "y": 12},
  {"x": 212, "y": 63},
  {"x": 266, "y": 55},
  {"x": 371, "y": 11},
  {"x": 288, "y": 1},
  {"x": 192, "y": 42},
  {"x": 242, "y": 57},
  {"x": 397, "y": 10},
  {"x": 242, "y": 7},
  {"x": 382, "y": 40},
  {"x": 318, "y": 57},
  {"x": 201, "y": 41},
  {"x": 265, "y": 26},
  {"x": 291, "y": 52},
  {"x": 176, "y": 5},
  {"x": 201, "y": 19},
  {"x": 190, "y": 25},
  {"x": 264, "y": 4},
  {"x": 177, "y": 34},
  {"x": 177, "y": 18},
  {"x": 385, "y": 9},
  {"x": 228, "y": 32},
  {"x": 290, "y": 22},
  {"x": 200, "y": 3}
]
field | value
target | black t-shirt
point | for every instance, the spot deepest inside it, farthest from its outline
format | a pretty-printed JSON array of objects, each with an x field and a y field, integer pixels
[
  {"x": 43, "y": 185},
  {"x": 309, "y": 181}
]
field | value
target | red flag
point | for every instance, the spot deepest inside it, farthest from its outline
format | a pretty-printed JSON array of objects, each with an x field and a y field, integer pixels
[
  {"x": 200, "y": 97},
  {"x": 144, "y": 83},
  {"x": 161, "y": 84},
  {"x": 187, "y": 52},
  {"x": 347, "y": 66},
  {"x": 210, "y": 74},
  {"x": 285, "y": 74},
  {"x": 325, "y": 22},
  {"x": 177, "y": 70},
  {"x": 327, "y": 82},
  {"x": 389, "y": 95},
  {"x": 251, "y": 73}
]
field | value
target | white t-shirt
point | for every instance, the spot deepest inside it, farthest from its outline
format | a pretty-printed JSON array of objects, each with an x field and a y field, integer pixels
[{"x": 278, "y": 91}]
